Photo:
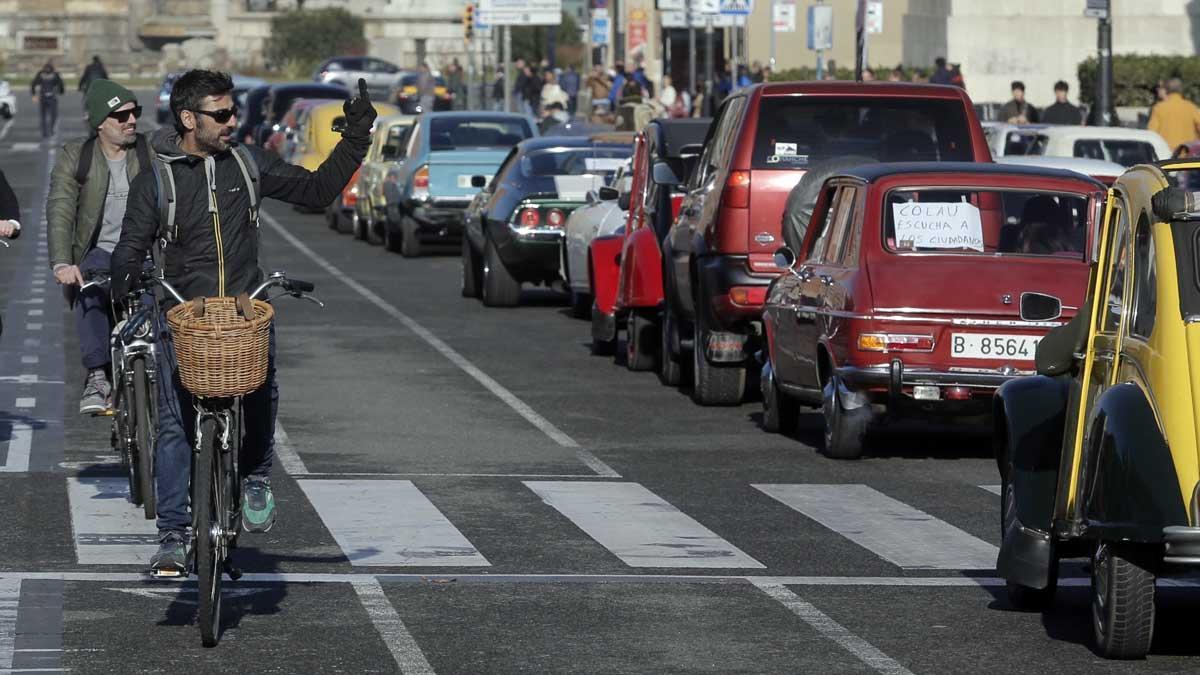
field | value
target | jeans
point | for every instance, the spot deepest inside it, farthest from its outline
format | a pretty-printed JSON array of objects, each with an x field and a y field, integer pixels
[
  {"x": 176, "y": 430},
  {"x": 49, "y": 114},
  {"x": 93, "y": 313}
]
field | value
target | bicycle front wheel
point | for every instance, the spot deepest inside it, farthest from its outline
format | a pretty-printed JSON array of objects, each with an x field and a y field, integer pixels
[
  {"x": 143, "y": 450},
  {"x": 208, "y": 507}
]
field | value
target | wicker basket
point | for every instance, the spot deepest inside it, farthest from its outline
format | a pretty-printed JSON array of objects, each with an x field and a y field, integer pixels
[{"x": 220, "y": 352}]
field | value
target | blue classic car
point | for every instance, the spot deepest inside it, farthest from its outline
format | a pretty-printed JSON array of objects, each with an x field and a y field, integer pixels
[{"x": 449, "y": 156}]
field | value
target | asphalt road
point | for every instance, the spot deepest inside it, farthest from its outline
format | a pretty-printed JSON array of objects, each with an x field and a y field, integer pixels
[{"x": 468, "y": 490}]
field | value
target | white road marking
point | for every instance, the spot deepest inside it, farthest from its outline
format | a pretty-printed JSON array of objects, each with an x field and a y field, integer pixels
[
  {"x": 6, "y": 127},
  {"x": 523, "y": 409},
  {"x": 828, "y": 628},
  {"x": 108, "y": 530},
  {"x": 891, "y": 529},
  {"x": 19, "y": 443},
  {"x": 389, "y": 523},
  {"x": 320, "y": 474},
  {"x": 399, "y": 641},
  {"x": 29, "y": 359},
  {"x": 26, "y": 147},
  {"x": 10, "y": 598},
  {"x": 639, "y": 527},
  {"x": 26, "y": 402},
  {"x": 33, "y": 326},
  {"x": 291, "y": 461},
  {"x": 994, "y": 489},
  {"x": 36, "y": 312}
]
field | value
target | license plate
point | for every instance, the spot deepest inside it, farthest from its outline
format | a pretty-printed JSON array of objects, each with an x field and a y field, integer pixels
[
  {"x": 992, "y": 346},
  {"x": 464, "y": 180}
]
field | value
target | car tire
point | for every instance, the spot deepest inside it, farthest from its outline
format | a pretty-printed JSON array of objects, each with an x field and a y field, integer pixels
[
  {"x": 391, "y": 238},
  {"x": 670, "y": 370},
  {"x": 1122, "y": 600},
  {"x": 471, "y": 272},
  {"x": 714, "y": 384},
  {"x": 410, "y": 241},
  {"x": 500, "y": 289},
  {"x": 332, "y": 214},
  {"x": 641, "y": 338},
  {"x": 359, "y": 231},
  {"x": 581, "y": 304},
  {"x": 781, "y": 413},
  {"x": 1024, "y": 598},
  {"x": 845, "y": 430}
]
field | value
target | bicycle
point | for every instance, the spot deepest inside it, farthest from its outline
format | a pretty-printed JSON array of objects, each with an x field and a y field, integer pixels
[
  {"x": 134, "y": 377},
  {"x": 216, "y": 486}
]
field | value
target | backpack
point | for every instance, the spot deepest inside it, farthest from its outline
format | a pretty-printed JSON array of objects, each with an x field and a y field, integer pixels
[{"x": 141, "y": 147}]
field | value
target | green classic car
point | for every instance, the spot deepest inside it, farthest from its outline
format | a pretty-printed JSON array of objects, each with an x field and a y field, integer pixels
[
  {"x": 388, "y": 145},
  {"x": 1098, "y": 452}
]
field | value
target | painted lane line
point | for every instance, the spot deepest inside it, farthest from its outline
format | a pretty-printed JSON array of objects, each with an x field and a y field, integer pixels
[
  {"x": 35, "y": 312},
  {"x": 523, "y": 409},
  {"x": 639, "y": 527},
  {"x": 10, "y": 597},
  {"x": 828, "y": 628},
  {"x": 399, "y": 641},
  {"x": 6, "y": 127},
  {"x": 291, "y": 461},
  {"x": 25, "y": 402},
  {"x": 29, "y": 359},
  {"x": 322, "y": 474},
  {"x": 891, "y": 529},
  {"x": 389, "y": 523},
  {"x": 33, "y": 326},
  {"x": 107, "y": 529},
  {"x": 994, "y": 489},
  {"x": 19, "y": 443}
]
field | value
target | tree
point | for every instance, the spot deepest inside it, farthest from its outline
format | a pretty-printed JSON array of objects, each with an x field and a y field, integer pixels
[
  {"x": 534, "y": 43},
  {"x": 300, "y": 39}
]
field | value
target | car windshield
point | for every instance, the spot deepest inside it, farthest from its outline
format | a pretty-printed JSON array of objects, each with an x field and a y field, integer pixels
[
  {"x": 602, "y": 162},
  {"x": 283, "y": 100},
  {"x": 448, "y": 133},
  {"x": 796, "y": 132},
  {"x": 970, "y": 221},
  {"x": 1122, "y": 151}
]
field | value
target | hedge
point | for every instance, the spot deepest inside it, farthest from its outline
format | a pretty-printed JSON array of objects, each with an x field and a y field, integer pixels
[{"x": 1135, "y": 77}]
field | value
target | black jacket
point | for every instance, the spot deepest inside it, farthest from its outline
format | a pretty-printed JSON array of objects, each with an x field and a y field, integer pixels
[
  {"x": 94, "y": 71},
  {"x": 1062, "y": 113},
  {"x": 47, "y": 85},
  {"x": 215, "y": 252}
]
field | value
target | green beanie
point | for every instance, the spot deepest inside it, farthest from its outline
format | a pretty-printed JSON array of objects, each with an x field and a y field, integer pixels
[{"x": 103, "y": 97}]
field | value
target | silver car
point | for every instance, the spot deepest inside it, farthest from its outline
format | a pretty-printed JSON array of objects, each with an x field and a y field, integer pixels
[{"x": 380, "y": 75}]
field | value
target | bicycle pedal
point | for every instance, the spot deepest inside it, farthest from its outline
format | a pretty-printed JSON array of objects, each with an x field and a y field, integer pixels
[
  {"x": 168, "y": 574},
  {"x": 105, "y": 413}
]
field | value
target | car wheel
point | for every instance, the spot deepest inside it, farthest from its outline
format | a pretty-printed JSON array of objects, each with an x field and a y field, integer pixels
[
  {"x": 1122, "y": 600},
  {"x": 670, "y": 371},
  {"x": 331, "y": 214},
  {"x": 500, "y": 289},
  {"x": 361, "y": 223},
  {"x": 1019, "y": 596},
  {"x": 781, "y": 413},
  {"x": 845, "y": 430},
  {"x": 640, "y": 340},
  {"x": 410, "y": 241},
  {"x": 581, "y": 304},
  {"x": 714, "y": 384},
  {"x": 471, "y": 271},
  {"x": 391, "y": 238}
]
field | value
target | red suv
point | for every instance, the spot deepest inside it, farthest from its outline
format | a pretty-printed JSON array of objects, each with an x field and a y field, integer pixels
[{"x": 718, "y": 254}]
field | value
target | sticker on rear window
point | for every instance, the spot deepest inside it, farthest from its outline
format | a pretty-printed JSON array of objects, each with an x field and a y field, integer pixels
[
  {"x": 937, "y": 225},
  {"x": 785, "y": 148},
  {"x": 787, "y": 159},
  {"x": 602, "y": 164}
]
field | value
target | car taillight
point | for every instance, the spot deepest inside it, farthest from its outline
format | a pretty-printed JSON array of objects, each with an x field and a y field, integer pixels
[
  {"x": 421, "y": 178},
  {"x": 737, "y": 190},
  {"x": 530, "y": 218},
  {"x": 748, "y": 295},
  {"x": 891, "y": 342},
  {"x": 350, "y": 196},
  {"x": 555, "y": 218}
]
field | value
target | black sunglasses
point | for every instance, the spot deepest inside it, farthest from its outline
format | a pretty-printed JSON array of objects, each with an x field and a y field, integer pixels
[
  {"x": 219, "y": 116},
  {"x": 122, "y": 116}
]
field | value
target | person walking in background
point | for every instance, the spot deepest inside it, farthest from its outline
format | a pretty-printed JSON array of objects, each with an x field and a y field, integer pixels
[
  {"x": 1062, "y": 112},
  {"x": 94, "y": 71},
  {"x": 868, "y": 75},
  {"x": 552, "y": 92},
  {"x": 457, "y": 85},
  {"x": 46, "y": 87},
  {"x": 941, "y": 74},
  {"x": 956, "y": 76},
  {"x": 668, "y": 98},
  {"x": 569, "y": 81},
  {"x": 518, "y": 86},
  {"x": 617, "y": 85},
  {"x": 599, "y": 85},
  {"x": 743, "y": 78},
  {"x": 498, "y": 90},
  {"x": 757, "y": 74},
  {"x": 1176, "y": 119},
  {"x": 426, "y": 88},
  {"x": 532, "y": 92},
  {"x": 1018, "y": 110}
]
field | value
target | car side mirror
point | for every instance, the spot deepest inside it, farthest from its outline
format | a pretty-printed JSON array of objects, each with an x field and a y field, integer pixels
[
  {"x": 478, "y": 181},
  {"x": 608, "y": 194},
  {"x": 623, "y": 201},
  {"x": 784, "y": 258},
  {"x": 663, "y": 174},
  {"x": 1040, "y": 307},
  {"x": 339, "y": 125}
]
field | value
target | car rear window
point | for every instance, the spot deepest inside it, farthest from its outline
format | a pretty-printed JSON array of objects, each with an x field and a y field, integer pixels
[
  {"x": 575, "y": 161},
  {"x": 283, "y": 100},
  {"x": 1123, "y": 152},
  {"x": 794, "y": 132},
  {"x": 971, "y": 221},
  {"x": 451, "y": 134}
]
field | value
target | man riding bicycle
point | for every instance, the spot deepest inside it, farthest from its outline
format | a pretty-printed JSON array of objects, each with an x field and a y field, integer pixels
[{"x": 208, "y": 244}]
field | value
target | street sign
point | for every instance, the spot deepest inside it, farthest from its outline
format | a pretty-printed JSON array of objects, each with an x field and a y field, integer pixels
[
  {"x": 706, "y": 6},
  {"x": 520, "y": 12},
  {"x": 784, "y": 20},
  {"x": 875, "y": 16},
  {"x": 599, "y": 30},
  {"x": 676, "y": 19},
  {"x": 1096, "y": 9},
  {"x": 737, "y": 7},
  {"x": 820, "y": 27},
  {"x": 673, "y": 5}
]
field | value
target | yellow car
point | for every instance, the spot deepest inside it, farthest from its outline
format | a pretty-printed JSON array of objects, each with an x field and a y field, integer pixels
[
  {"x": 317, "y": 137},
  {"x": 1098, "y": 452},
  {"x": 388, "y": 144}
]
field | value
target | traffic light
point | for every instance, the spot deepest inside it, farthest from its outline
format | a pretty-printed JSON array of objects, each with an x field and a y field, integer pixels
[{"x": 468, "y": 19}]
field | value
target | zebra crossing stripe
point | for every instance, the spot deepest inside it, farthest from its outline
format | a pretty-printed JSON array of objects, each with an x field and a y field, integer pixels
[
  {"x": 108, "y": 529},
  {"x": 389, "y": 523},
  {"x": 994, "y": 489},
  {"x": 893, "y": 530},
  {"x": 10, "y": 597},
  {"x": 638, "y": 526}
]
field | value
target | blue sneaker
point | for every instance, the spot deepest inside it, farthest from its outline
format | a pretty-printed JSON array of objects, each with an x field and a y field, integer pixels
[{"x": 258, "y": 504}]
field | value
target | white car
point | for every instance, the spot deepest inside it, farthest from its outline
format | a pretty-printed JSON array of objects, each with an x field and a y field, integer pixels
[
  {"x": 1121, "y": 145},
  {"x": 601, "y": 216},
  {"x": 8, "y": 102},
  {"x": 1104, "y": 171}
]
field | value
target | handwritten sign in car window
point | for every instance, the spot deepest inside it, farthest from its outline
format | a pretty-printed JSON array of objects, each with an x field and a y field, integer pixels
[{"x": 937, "y": 225}]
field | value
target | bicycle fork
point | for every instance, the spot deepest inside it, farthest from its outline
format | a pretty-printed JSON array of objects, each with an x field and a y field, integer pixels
[{"x": 224, "y": 530}]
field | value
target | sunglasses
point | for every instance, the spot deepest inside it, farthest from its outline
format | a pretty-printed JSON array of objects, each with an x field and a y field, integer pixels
[
  {"x": 122, "y": 116},
  {"x": 219, "y": 116}
]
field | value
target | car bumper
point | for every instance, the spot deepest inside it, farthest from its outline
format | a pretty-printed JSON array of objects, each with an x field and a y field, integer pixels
[
  {"x": 533, "y": 257},
  {"x": 1182, "y": 546},
  {"x": 946, "y": 392},
  {"x": 735, "y": 294},
  {"x": 440, "y": 219}
]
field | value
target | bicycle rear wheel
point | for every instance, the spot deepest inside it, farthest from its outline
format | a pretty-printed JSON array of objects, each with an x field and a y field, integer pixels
[
  {"x": 142, "y": 452},
  {"x": 208, "y": 510}
]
